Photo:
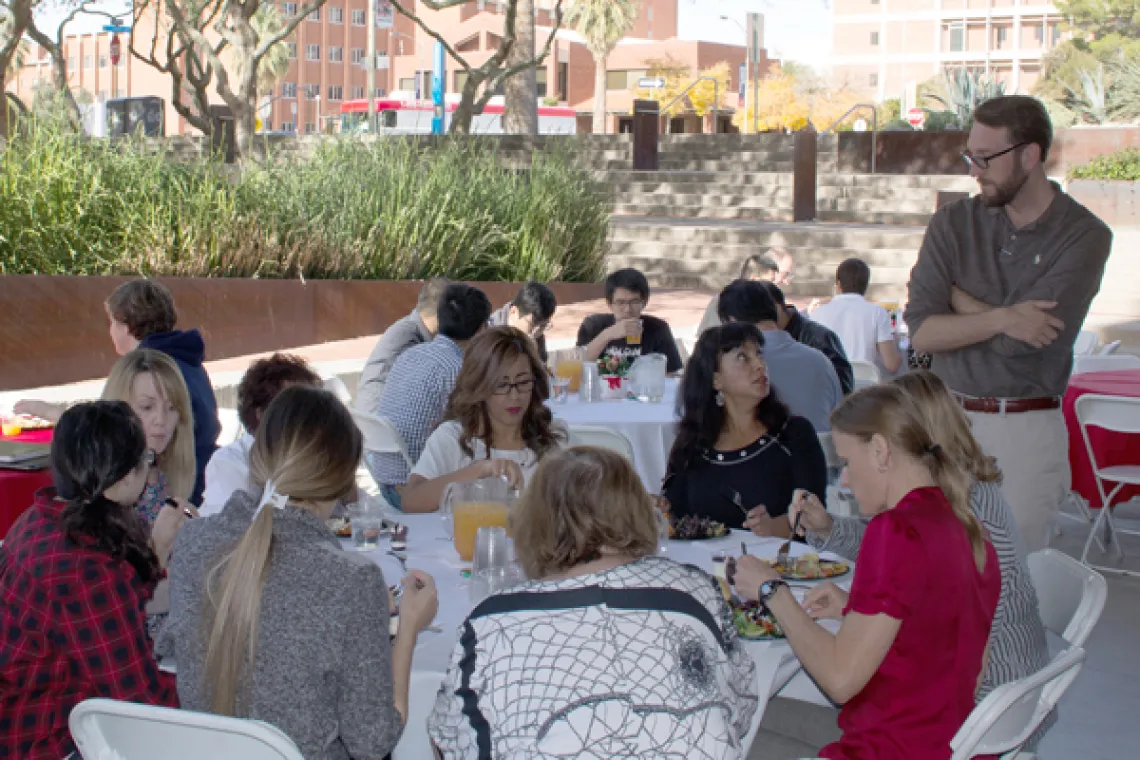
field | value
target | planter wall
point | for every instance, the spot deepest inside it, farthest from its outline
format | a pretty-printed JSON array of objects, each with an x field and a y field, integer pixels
[
  {"x": 1115, "y": 202},
  {"x": 54, "y": 329}
]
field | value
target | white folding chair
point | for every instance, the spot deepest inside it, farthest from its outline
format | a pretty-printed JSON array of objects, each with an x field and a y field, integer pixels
[
  {"x": 1110, "y": 363},
  {"x": 1117, "y": 414},
  {"x": 1086, "y": 343},
  {"x": 1070, "y": 596},
  {"x": 865, "y": 373},
  {"x": 231, "y": 426},
  {"x": 1110, "y": 349},
  {"x": 1009, "y": 714},
  {"x": 380, "y": 436},
  {"x": 336, "y": 386},
  {"x": 106, "y": 728},
  {"x": 603, "y": 438}
]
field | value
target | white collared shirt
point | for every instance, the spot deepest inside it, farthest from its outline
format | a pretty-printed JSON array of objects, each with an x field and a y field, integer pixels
[
  {"x": 228, "y": 471},
  {"x": 860, "y": 324}
]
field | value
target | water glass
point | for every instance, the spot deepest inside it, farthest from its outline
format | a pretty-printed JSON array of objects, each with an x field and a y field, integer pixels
[
  {"x": 662, "y": 531},
  {"x": 591, "y": 387},
  {"x": 367, "y": 520},
  {"x": 491, "y": 565},
  {"x": 559, "y": 390}
]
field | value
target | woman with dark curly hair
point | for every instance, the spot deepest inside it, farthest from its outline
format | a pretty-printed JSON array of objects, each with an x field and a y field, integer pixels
[
  {"x": 496, "y": 423},
  {"x": 739, "y": 457},
  {"x": 76, "y": 572}
]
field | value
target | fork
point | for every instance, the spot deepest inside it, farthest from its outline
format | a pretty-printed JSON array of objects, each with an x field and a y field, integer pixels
[
  {"x": 732, "y": 495},
  {"x": 402, "y": 559},
  {"x": 783, "y": 555}
]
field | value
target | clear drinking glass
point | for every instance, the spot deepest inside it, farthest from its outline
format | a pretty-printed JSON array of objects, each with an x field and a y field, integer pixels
[
  {"x": 662, "y": 531},
  {"x": 491, "y": 562},
  {"x": 367, "y": 520},
  {"x": 559, "y": 390}
]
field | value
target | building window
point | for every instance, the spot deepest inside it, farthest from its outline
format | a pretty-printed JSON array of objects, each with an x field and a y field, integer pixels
[
  {"x": 874, "y": 39},
  {"x": 290, "y": 9},
  {"x": 1039, "y": 34},
  {"x": 312, "y": 52},
  {"x": 357, "y": 93},
  {"x": 563, "y": 80},
  {"x": 357, "y": 55},
  {"x": 336, "y": 15},
  {"x": 315, "y": 14},
  {"x": 102, "y": 61},
  {"x": 873, "y": 80},
  {"x": 288, "y": 126},
  {"x": 409, "y": 83},
  {"x": 540, "y": 80},
  {"x": 359, "y": 18},
  {"x": 71, "y": 61},
  {"x": 336, "y": 92},
  {"x": 1002, "y": 36},
  {"x": 957, "y": 38},
  {"x": 312, "y": 91},
  {"x": 292, "y": 48},
  {"x": 336, "y": 54},
  {"x": 288, "y": 89},
  {"x": 1056, "y": 34},
  {"x": 380, "y": 92},
  {"x": 460, "y": 79},
  {"x": 310, "y": 128},
  {"x": 88, "y": 62}
]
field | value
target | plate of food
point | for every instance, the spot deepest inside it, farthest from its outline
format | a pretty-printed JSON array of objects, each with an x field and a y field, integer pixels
[
  {"x": 695, "y": 528},
  {"x": 810, "y": 567},
  {"x": 754, "y": 622},
  {"x": 340, "y": 526}
]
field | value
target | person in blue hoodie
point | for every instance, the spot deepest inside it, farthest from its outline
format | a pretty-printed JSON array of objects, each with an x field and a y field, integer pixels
[{"x": 142, "y": 315}]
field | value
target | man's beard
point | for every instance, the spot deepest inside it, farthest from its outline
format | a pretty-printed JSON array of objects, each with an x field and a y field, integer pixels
[{"x": 1003, "y": 194}]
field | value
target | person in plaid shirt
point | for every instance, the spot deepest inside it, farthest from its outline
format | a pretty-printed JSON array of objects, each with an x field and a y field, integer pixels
[{"x": 76, "y": 572}]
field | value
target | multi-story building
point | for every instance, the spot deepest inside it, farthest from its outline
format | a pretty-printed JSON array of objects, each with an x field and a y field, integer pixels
[
  {"x": 328, "y": 53},
  {"x": 886, "y": 47}
]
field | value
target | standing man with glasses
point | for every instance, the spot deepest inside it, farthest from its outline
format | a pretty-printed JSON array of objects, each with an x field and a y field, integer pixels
[{"x": 1001, "y": 288}]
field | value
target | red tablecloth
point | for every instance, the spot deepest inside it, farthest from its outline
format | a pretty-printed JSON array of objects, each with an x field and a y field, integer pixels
[
  {"x": 18, "y": 487},
  {"x": 1111, "y": 448}
]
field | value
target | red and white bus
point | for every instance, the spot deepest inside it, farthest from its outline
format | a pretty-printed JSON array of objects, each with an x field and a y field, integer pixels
[{"x": 407, "y": 116}]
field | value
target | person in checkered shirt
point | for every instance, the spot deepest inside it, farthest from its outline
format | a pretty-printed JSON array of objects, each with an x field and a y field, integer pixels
[{"x": 76, "y": 572}]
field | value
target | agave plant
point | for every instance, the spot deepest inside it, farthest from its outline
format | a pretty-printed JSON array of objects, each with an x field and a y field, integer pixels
[
  {"x": 1124, "y": 92},
  {"x": 965, "y": 90},
  {"x": 1091, "y": 102}
]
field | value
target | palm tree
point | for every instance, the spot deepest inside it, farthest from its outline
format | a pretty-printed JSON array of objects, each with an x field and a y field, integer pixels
[
  {"x": 275, "y": 63},
  {"x": 603, "y": 23}
]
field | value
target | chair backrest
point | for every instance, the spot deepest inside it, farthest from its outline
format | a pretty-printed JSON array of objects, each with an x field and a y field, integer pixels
[
  {"x": 106, "y": 728},
  {"x": 380, "y": 436},
  {"x": 682, "y": 351},
  {"x": 1110, "y": 349},
  {"x": 604, "y": 438},
  {"x": 1119, "y": 414},
  {"x": 231, "y": 426},
  {"x": 336, "y": 386},
  {"x": 1108, "y": 363},
  {"x": 829, "y": 452},
  {"x": 1086, "y": 343},
  {"x": 865, "y": 373},
  {"x": 1009, "y": 714},
  {"x": 1070, "y": 596}
]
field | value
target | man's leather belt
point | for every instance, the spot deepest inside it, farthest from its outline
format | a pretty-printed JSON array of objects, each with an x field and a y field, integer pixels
[{"x": 990, "y": 405}]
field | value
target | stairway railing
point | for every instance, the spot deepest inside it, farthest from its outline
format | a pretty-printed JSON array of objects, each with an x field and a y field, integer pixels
[
  {"x": 874, "y": 126},
  {"x": 684, "y": 92}
]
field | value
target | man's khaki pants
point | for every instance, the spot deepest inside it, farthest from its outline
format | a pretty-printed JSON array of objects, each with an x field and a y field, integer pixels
[{"x": 1032, "y": 450}]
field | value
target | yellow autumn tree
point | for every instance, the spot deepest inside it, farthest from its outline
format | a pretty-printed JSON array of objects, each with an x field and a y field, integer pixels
[
  {"x": 677, "y": 76},
  {"x": 703, "y": 95},
  {"x": 789, "y": 99}
]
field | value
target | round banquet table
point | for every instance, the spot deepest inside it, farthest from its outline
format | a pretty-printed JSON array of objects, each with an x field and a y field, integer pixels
[
  {"x": 651, "y": 428},
  {"x": 18, "y": 487},
  {"x": 430, "y": 551},
  {"x": 1110, "y": 448}
]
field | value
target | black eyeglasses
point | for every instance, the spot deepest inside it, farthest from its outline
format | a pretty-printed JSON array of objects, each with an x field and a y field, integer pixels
[
  {"x": 983, "y": 162},
  {"x": 522, "y": 386}
]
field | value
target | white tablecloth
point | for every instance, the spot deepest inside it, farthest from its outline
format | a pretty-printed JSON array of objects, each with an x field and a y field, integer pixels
[
  {"x": 776, "y": 665},
  {"x": 651, "y": 428}
]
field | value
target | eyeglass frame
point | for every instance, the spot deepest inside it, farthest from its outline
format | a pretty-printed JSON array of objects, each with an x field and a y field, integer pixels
[
  {"x": 981, "y": 163},
  {"x": 504, "y": 389}
]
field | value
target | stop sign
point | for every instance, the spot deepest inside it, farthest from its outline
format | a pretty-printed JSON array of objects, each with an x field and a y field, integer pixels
[
  {"x": 916, "y": 117},
  {"x": 116, "y": 50}
]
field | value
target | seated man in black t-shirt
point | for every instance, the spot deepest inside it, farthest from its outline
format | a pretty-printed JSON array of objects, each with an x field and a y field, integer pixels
[{"x": 625, "y": 331}]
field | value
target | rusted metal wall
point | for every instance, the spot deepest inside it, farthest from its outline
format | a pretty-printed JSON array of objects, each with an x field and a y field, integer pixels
[{"x": 54, "y": 329}]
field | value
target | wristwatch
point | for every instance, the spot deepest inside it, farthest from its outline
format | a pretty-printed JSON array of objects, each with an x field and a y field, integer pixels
[{"x": 768, "y": 589}]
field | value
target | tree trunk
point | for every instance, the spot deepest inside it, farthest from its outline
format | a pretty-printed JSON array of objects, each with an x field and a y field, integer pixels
[
  {"x": 4, "y": 108},
  {"x": 599, "y": 127},
  {"x": 465, "y": 110},
  {"x": 521, "y": 90}
]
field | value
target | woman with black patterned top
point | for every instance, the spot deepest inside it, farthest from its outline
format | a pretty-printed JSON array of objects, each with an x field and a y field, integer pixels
[{"x": 739, "y": 457}]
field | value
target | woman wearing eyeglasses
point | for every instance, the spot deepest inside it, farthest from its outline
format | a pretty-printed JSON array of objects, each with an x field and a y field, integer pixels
[{"x": 496, "y": 423}]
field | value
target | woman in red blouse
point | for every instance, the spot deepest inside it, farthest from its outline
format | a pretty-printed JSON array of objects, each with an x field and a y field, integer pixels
[
  {"x": 907, "y": 658},
  {"x": 76, "y": 571}
]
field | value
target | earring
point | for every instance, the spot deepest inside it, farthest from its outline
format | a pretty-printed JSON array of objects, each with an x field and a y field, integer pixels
[{"x": 719, "y": 398}]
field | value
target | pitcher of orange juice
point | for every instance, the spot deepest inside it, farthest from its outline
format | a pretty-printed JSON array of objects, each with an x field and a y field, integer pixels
[
  {"x": 567, "y": 362},
  {"x": 475, "y": 504}
]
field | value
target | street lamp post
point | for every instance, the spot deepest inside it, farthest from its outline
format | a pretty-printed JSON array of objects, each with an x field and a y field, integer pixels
[{"x": 747, "y": 67}]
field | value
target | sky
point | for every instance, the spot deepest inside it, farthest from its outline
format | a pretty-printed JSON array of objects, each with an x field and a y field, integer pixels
[{"x": 798, "y": 30}]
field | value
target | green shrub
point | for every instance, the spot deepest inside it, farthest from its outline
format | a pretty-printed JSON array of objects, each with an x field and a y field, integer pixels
[
  {"x": 391, "y": 208},
  {"x": 897, "y": 125},
  {"x": 941, "y": 121},
  {"x": 1122, "y": 165}
]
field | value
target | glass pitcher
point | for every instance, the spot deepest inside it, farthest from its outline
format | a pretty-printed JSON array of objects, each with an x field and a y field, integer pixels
[
  {"x": 647, "y": 377},
  {"x": 474, "y": 504}
]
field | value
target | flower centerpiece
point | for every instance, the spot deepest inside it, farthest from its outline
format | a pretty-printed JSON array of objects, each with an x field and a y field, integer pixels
[{"x": 614, "y": 371}]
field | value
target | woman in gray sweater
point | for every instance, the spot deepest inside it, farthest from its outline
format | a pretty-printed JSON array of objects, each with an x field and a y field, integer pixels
[
  {"x": 1017, "y": 639},
  {"x": 271, "y": 620}
]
